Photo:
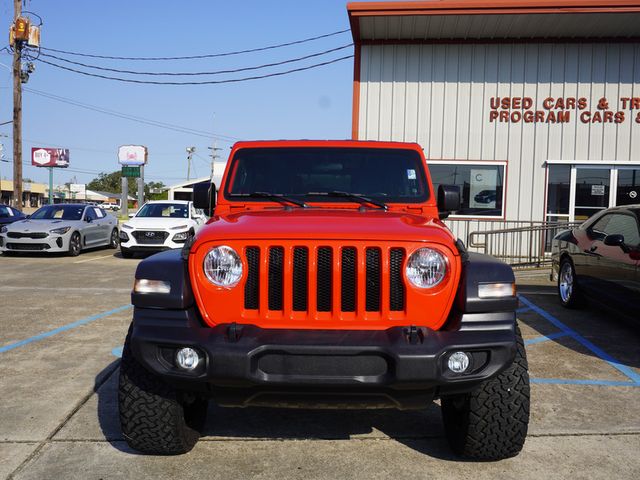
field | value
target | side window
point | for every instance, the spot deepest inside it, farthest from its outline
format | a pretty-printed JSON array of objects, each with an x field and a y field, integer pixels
[
  {"x": 626, "y": 226},
  {"x": 5, "y": 212},
  {"x": 90, "y": 214},
  {"x": 598, "y": 230}
]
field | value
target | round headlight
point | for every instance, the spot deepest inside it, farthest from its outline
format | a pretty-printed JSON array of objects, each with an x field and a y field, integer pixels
[
  {"x": 223, "y": 266},
  {"x": 426, "y": 268}
]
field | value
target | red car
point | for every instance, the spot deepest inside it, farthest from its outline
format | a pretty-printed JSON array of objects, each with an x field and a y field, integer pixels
[{"x": 325, "y": 278}]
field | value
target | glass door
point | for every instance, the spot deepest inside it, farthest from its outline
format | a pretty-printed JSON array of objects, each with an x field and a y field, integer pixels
[
  {"x": 591, "y": 191},
  {"x": 628, "y": 186}
]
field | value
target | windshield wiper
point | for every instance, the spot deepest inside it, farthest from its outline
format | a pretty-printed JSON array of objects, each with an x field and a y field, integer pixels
[
  {"x": 361, "y": 199},
  {"x": 272, "y": 196}
]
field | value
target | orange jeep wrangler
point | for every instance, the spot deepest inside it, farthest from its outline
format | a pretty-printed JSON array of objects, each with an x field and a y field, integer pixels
[{"x": 325, "y": 279}]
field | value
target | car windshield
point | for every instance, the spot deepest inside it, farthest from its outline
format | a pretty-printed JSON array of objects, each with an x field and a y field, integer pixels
[
  {"x": 62, "y": 212},
  {"x": 164, "y": 210},
  {"x": 319, "y": 174}
]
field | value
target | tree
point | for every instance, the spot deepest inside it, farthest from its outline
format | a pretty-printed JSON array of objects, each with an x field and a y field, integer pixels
[{"x": 111, "y": 182}]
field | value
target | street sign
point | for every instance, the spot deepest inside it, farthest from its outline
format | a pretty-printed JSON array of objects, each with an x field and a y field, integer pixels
[{"x": 133, "y": 172}]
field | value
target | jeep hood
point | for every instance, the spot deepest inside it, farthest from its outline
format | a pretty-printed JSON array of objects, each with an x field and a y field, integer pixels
[{"x": 329, "y": 224}]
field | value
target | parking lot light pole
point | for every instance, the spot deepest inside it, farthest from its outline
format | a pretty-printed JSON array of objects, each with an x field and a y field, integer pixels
[{"x": 50, "y": 185}]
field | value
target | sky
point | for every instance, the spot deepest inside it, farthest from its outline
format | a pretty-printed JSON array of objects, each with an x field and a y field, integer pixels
[{"x": 310, "y": 104}]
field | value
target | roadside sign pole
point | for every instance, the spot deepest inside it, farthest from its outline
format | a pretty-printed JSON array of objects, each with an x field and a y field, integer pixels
[
  {"x": 141, "y": 187},
  {"x": 124, "y": 201},
  {"x": 50, "y": 185}
]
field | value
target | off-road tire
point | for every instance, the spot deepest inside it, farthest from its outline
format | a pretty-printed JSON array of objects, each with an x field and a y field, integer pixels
[
  {"x": 75, "y": 244},
  {"x": 114, "y": 240},
  {"x": 156, "y": 418},
  {"x": 125, "y": 252},
  {"x": 570, "y": 297},
  {"x": 491, "y": 422}
]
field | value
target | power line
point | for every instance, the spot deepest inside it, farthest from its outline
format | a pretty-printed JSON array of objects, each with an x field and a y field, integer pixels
[
  {"x": 216, "y": 72},
  {"x": 133, "y": 118},
  {"x": 193, "y": 57},
  {"x": 207, "y": 82}
]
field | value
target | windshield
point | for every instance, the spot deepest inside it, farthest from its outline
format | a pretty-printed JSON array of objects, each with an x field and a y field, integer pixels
[
  {"x": 164, "y": 210},
  {"x": 62, "y": 212},
  {"x": 387, "y": 175}
]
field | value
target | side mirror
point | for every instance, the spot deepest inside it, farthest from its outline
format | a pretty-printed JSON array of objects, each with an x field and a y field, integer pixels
[
  {"x": 131, "y": 215},
  {"x": 448, "y": 200},
  {"x": 88, "y": 219},
  {"x": 27, "y": 216},
  {"x": 616, "y": 240},
  {"x": 204, "y": 197}
]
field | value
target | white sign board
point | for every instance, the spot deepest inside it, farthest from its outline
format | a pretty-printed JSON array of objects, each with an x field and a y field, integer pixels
[
  {"x": 483, "y": 188},
  {"x": 597, "y": 190},
  {"x": 77, "y": 187},
  {"x": 132, "y": 155}
]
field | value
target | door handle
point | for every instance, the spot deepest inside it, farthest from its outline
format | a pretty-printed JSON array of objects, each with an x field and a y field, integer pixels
[{"x": 593, "y": 248}]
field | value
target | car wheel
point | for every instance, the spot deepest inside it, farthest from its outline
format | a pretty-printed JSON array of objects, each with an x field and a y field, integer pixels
[
  {"x": 115, "y": 239},
  {"x": 125, "y": 252},
  {"x": 491, "y": 422},
  {"x": 156, "y": 418},
  {"x": 75, "y": 245},
  {"x": 568, "y": 289}
]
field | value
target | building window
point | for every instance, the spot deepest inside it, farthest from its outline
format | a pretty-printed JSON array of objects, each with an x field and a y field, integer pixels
[
  {"x": 558, "y": 190},
  {"x": 481, "y": 186}
]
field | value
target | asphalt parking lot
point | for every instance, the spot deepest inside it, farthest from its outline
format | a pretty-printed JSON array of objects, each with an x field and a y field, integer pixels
[{"x": 63, "y": 321}]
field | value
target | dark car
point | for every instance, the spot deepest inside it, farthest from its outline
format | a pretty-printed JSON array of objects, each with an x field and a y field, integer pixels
[
  {"x": 600, "y": 260},
  {"x": 9, "y": 215},
  {"x": 485, "y": 196}
]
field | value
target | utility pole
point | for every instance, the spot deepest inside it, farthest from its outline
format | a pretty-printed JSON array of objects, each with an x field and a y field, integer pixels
[
  {"x": 17, "y": 114},
  {"x": 214, "y": 151}
]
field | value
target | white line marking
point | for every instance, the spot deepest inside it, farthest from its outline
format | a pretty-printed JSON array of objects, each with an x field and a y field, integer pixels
[{"x": 92, "y": 259}]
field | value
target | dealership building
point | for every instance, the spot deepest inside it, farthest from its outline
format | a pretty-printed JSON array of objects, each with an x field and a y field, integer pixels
[{"x": 532, "y": 107}]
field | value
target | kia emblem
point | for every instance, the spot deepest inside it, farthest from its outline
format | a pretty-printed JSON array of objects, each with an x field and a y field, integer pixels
[{"x": 150, "y": 234}]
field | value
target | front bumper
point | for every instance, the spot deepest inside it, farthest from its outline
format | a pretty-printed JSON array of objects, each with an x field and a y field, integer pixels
[
  {"x": 50, "y": 244},
  {"x": 247, "y": 365}
]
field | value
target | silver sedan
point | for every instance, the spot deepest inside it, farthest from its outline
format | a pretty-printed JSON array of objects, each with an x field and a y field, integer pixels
[{"x": 61, "y": 228}]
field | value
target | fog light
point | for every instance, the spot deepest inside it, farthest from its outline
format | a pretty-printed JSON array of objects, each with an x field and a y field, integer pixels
[
  {"x": 187, "y": 358},
  {"x": 458, "y": 362}
]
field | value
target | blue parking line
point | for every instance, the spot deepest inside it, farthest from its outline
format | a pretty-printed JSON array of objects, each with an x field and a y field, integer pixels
[
  {"x": 586, "y": 343},
  {"x": 544, "y": 338},
  {"x": 523, "y": 309},
  {"x": 571, "y": 381},
  {"x": 64, "y": 328}
]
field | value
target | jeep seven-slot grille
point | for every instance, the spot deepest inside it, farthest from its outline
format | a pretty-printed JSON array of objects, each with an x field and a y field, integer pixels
[{"x": 346, "y": 262}]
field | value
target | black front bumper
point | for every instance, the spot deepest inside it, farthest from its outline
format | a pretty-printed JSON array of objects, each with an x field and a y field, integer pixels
[{"x": 247, "y": 365}]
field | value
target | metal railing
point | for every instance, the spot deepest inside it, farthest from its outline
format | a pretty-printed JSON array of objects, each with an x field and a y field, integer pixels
[{"x": 522, "y": 246}]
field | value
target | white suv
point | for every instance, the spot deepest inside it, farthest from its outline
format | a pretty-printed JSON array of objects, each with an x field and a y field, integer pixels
[{"x": 160, "y": 225}]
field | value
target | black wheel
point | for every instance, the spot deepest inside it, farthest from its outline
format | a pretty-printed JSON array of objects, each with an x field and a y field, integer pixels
[
  {"x": 156, "y": 418},
  {"x": 491, "y": 422},
  {"x": 115, "y": 239},
  {"x": 125, "y": 252},
  {"x": 568, "y": 289},
  {"x": 75, "y": 244}
]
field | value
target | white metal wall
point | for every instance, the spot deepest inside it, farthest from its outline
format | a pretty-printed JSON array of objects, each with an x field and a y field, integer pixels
[{"x": 438, "y": 95}]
